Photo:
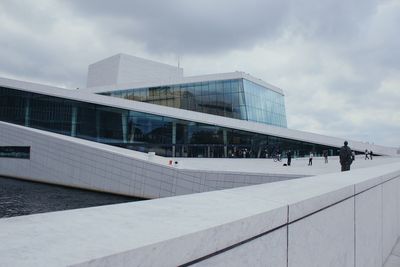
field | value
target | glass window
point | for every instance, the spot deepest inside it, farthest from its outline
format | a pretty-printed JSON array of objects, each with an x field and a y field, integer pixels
[
  {"x": 18, "y": 152},
  {"x": 146, "y": 132}
]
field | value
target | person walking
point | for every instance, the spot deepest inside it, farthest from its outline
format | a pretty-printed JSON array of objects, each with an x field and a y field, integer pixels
[
  {"x": 370, "y": 154},
  {"x": 310, "y": 159},
  {"x": 366, "y": 154},
  {"x": 326, "y": 156},
  {"x": 345, "y": 156},
  {"x": 289, "y": 157}
]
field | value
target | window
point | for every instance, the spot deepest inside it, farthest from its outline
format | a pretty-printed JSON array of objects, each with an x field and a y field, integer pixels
[{"x": 18, "y": 152}]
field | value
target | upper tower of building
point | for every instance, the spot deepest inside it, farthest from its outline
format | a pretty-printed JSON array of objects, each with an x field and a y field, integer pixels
[
  {"x": 122, "y": 69},
  {"x": 234, "y": 95}
]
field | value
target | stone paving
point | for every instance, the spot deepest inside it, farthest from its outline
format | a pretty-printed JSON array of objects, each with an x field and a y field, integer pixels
[{"x": 298, "y": 166}]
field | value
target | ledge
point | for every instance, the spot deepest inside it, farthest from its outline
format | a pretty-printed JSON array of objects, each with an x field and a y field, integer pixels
[{"x": 176, "y": 230}]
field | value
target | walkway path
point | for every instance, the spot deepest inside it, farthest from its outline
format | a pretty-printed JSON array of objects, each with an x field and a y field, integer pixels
[{"x": 299, "y": 165}]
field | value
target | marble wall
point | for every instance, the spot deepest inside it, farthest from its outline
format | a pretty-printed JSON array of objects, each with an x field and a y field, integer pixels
[{"x": 68, "y": 161}]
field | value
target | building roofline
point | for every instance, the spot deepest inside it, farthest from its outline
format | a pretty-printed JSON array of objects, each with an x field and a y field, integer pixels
[
  {"x": 82, "y": 95},
  {"x": 184, "y": 80}
]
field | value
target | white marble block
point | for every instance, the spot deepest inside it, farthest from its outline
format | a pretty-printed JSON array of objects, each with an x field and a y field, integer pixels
[{"x": 325, "y": 238}]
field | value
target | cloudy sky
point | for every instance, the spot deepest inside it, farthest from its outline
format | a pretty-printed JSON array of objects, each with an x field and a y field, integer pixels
[{"x": 338, "y": 62}]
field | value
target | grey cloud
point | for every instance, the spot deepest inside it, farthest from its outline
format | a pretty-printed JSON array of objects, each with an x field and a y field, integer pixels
[
  {"x": 209, "y": 27},
  {"x": 361, "y": 35},
  {"x": 189, "y": 26}
]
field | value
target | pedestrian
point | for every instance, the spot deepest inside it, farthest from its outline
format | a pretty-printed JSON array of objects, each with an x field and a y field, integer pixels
[
  {"x": 310, "y": 159},
  {"x": 289, "y": 157},
  {"x": 345, "y": 156},
  {"x": 370, "y": 154},
  {"x": 326, "y": 156},
  {"x": 366, "y": 154}
]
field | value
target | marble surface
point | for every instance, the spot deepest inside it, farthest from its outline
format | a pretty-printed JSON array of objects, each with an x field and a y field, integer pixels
[
  {"x": 394, "y": 259},
  {"x": 100, "y": 167},
  {"x": 389, "y": 216},
  {"x": 323, "y": 215},
  {"x": 298, "y": 166},
  {"x": 148, "y": 232},
  {"x": 368, "y": 228},
  {"x": 396, "y": 249},
  {"x": 323, "y": 239},
  {"x": 269, "y": 250}
]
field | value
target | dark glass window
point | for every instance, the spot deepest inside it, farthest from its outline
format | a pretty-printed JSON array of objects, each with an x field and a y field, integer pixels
[
  {"x": 223, "y": 98},
  {"x": 147, "y": 132},
  {"x": 19, "y": 152}
]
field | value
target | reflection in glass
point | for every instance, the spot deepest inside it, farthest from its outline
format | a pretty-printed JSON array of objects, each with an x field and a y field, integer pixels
[
  {"x": 146, "y": 132},
  {"x": 238, "y": 98}
]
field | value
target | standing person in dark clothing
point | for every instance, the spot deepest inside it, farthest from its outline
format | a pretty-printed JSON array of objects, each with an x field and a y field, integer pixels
[
  {"x": 289, "y": 157},
  {"x": 370, "y": 154},
  {"x": 310, "y": 159},
  {"x": 345, "y": 156}
]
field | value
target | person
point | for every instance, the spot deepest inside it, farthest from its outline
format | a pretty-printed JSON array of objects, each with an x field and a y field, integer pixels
[
  {"x": 366, "y": 154},
  {"x": 277, "y": 156},
  {"x": 310, "y": 159},
  {"x": 370, "y": 154},
  {"x": 326, "y": 156},
  {"x": 289, "y": 157},
  {"x": 345, "y": 156}
]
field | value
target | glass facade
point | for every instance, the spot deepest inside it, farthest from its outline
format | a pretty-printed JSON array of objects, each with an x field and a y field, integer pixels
[
  {"x": 142, "y": 131},
  {"x": 264, "y": 106},
  {"x": 239, "y": 99}
]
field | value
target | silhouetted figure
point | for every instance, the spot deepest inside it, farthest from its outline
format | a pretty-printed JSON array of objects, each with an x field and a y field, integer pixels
[
  {"x": 310, "y": 159},
  {"x": 326, "y": 156},
  {"x": 345, "y": 156},
  {"x": 289, "y": 157},
  {"x": 370, "y": 154},
  {"x": 366, "y": 154}
]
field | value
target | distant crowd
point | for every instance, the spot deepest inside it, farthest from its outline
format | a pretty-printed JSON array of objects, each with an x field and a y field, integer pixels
[{"x": 346, "y": 157}]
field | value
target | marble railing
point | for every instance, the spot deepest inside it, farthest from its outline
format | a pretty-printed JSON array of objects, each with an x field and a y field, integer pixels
[{"x": 341, "y": 219}]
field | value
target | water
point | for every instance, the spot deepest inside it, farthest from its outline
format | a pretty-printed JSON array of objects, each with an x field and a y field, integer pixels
[{"x": 18, "y": 197}]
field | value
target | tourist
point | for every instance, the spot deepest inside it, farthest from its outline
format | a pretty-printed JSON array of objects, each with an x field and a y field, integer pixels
[
  {"x": 345, "y": 156},
  {"x": 326, "y": 156},
  {"x": 289, "y": 157},
  {"x": 366, "y": 154},
  {"x": 310, "y": 159}
]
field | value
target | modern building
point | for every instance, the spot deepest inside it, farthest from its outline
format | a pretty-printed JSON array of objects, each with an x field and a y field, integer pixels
[{"x": 139, "y": 105}]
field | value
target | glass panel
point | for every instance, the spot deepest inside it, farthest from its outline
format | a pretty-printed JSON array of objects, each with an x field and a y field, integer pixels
[
  {"x": 263, "y": 104},
  {"x": 146, "y": 132},
  {"x": 19, "y": 152}
]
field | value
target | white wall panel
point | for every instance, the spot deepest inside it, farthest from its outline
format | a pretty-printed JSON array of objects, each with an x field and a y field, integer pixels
[
  {"x": 325, "y": 238},
  {"x": 368, "y": 227}
]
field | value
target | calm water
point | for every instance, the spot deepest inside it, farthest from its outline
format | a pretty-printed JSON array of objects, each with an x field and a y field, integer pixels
[{"x": 18, "y": 197}]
